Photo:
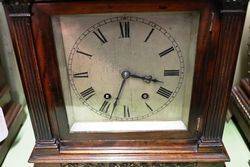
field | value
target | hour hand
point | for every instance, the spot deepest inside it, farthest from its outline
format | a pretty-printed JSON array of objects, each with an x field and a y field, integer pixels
[{"x": 147, "y": 78}]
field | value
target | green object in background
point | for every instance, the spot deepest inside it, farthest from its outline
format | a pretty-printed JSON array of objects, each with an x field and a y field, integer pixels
[{"x": 235, "y": 146}]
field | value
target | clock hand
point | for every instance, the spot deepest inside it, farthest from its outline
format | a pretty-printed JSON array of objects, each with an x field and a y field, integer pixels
[
  {"x": 125, "y": 76},
  {"x": 147, "y": 78}
]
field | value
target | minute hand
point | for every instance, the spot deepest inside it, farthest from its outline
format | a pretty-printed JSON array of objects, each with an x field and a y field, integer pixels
[
  {"x": 125, "y": 76},
  {"x": 117, "y": 98},
  {"x": 147, "y": 78}
]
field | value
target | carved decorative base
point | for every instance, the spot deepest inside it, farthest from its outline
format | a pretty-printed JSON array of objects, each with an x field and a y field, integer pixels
[
  {"x": 133, "y": 165},
  {"x": 130, "y": 165}
]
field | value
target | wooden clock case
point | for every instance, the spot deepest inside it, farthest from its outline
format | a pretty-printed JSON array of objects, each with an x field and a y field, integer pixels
[{"x": 219, "y": 36}]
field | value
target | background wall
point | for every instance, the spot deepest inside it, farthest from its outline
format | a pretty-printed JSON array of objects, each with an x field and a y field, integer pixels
[
  {"x": 8, "y": 61},
  {"x": 242, "y": 66}
]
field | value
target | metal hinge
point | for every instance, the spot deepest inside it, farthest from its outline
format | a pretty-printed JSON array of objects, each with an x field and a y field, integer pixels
[
  {"x": 58, "y": 143},
  {"x": 211, "y": 22},
  {"x": 198, "y": 125}
]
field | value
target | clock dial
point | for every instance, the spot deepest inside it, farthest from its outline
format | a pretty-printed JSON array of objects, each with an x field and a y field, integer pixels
[
  {"x": 133, "y": 69},
  {"x": 129, "y": 75}
]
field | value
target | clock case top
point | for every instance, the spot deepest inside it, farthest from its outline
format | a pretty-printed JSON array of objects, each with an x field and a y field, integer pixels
[{"x": 216, "y": 55}]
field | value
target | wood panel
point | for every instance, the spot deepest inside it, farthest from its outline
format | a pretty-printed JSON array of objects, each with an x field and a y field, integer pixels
[
  {"x": 48, "y": 66},
  {"x": 4, "y": 95},
  {"x": 19, "y": 23},
  {"x": 14, "y": 116},
  {"x": 224, "y": 66},
  {"x": 239, "y": 106},
  {"x": 217, "y": 49},
  {"x": 132, "y": 165}
]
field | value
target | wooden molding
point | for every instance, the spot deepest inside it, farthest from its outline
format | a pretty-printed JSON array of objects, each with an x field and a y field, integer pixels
[
  {"x": 129, "y": 165},
  {"x": 217, "y": 49},
  {"x": 14, "y": 116},
  {"x": 248, "y": 55},
  {"x": 239, "y": 107},
  {"x": 5, "y": 96},
  {"x": 20, "y": 27},
  {"x": 234, "y": 5},
  {"x": 125, "y": 151},
  {"x": 10, "y": 112},
  {"x": 143, "y": 164},
  {"x": 40, "y": 156},
  {"x": 19, "y": 9},
  {"x": 231, "y": 26},
  {"x": 16, "y": 1},
  {"x": 2, "y": 80}
]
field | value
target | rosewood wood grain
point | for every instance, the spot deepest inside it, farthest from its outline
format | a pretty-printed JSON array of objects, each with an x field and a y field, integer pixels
[
  {"x": 11, "y": 111},
  {"x": 2, "y": 80},
  {"x": 42, "y": 12},
  {"x": 22, "y": 38},
  {"x": 112, "y": 143},
  {"x": 154, "y": 164},
  {"x": 219, "y": 36},
  {"x": 5, "y": 96},
  {"x": 160, "y": 157},
  {"x": 48, "y": 165},
  {"x": 131, "y": 164},
  {"x": 239, "y": 106},
  {"x": 51, "y": 84},
  {"x": 14, "y": 116},
  {"x": 230, "y": 35}
]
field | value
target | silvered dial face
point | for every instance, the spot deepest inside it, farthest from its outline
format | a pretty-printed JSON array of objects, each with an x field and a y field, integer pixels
[{"x": 126, "y": 68}]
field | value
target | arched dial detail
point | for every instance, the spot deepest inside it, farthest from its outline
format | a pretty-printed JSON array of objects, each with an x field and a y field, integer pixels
[{"x": 144, "y": 51}]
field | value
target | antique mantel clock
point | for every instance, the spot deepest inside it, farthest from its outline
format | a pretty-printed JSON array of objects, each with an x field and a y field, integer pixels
[{"x": 127, "y": 81}]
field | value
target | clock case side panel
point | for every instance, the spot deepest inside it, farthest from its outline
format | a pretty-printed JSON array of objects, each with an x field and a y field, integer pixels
[
  {"x": 231, "y": 20},
  {"x": 49, "y": 69},
  {"x": 131, "y": 146},
  {"x": 19, "y": 21}
]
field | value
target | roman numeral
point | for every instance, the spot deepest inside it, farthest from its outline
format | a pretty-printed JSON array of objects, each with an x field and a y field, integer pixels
[
  {"x": 126, "y": 111},
  {"x": 86, "y": 54},
  {"x": 150, "y": 33},
  {"x": 81, "y": 75},
  {"x": 165, "y": 52},
  {"x": 88, "y": 93},
  {"x": 100, "y": 36},
  {"x": 150, "y": 108},
  {"x": 171, "y": 72},
  {"x": 105, "y": 106},
  {"x": 124, "y": 27},
  {"x": 164, "y": 92}
]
